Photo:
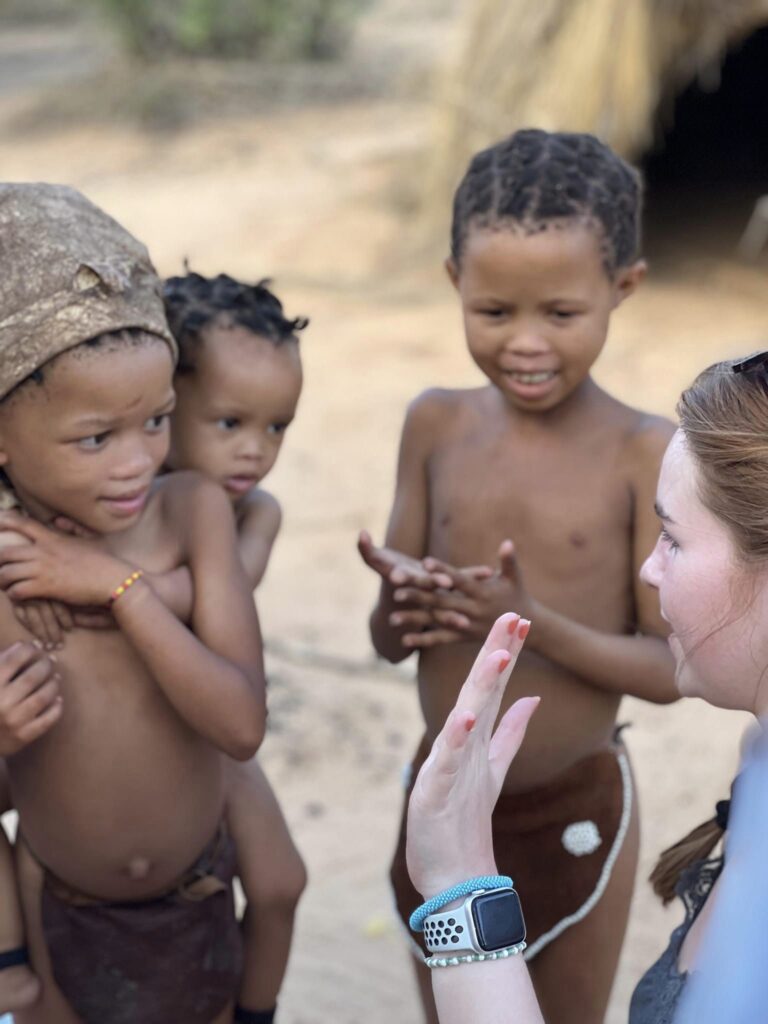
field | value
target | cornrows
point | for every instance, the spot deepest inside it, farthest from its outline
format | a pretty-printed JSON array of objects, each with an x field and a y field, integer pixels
[
  {"x": 535, "y": 177},
  {"x": 193, "y": 302}
]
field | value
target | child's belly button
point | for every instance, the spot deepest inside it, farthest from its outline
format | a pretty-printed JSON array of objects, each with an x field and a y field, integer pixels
[{"x": 138, "y": 868}]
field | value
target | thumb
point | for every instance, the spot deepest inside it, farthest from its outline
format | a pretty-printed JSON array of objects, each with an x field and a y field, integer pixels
[{"x": 507, "y": 559}]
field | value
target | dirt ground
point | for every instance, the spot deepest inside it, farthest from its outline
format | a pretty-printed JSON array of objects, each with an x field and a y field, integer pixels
[{"x": 314, "y": 197}]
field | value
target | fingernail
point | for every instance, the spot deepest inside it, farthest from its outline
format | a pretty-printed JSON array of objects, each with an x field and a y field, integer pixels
[
  {"x": 469, "y": 725},
  {"x": 399, "y": 595},
  {"x": 503, "y": 662},
  {"x": 513, "y": 624},
  {"x": 38, "y": 644},
  {"x": 395, "y": 620},
  {"x": 524, "y": 628}
]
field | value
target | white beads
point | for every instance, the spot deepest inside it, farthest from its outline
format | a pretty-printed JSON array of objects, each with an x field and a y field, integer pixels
[
  {"x": 475, "y": 958},
  {"x": 581, "y": 838}
]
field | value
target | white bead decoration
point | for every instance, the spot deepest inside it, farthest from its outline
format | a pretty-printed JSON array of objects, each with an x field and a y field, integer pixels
[
  {"x": 581, "y": 838},
  {"x": 474, "y": 958}
]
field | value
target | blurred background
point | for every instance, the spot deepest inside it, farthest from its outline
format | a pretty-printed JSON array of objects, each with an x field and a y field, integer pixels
[{"x": 318, "y": 142}]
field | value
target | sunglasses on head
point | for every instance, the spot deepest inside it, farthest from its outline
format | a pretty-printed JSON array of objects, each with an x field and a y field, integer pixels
[{"x": 759, "y": 361}]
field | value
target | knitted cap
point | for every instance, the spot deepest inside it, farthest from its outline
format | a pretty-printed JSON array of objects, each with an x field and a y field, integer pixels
[{"x": 68, "y": 272}]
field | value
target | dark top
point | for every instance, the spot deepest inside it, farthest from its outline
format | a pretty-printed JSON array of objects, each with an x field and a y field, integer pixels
[{"x": 658, "y": 992}]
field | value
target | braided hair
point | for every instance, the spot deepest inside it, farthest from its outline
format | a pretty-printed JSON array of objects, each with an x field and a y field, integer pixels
[
  {"x": 534, "y": 177},
  {"x": 193, "y": 302}
]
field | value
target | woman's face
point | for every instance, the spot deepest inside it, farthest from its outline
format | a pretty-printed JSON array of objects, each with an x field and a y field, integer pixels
[{"x": 717, "y": 610}]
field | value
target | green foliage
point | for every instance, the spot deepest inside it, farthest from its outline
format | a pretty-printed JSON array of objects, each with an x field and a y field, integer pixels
[{"x": 239, "y": 28}]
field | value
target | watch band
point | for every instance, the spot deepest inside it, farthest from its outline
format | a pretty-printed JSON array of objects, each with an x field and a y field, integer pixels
[{"x": 488, "y": 920}]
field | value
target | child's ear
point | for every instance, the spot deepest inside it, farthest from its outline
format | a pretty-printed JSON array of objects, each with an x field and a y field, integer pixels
[
  {"x": 628, "y": 280},
  {"x": 452, "y": 271}
]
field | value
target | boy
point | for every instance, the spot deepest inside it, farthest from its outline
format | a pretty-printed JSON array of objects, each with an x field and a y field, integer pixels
[
  {"x": 121, "y": 800},
  {"x": 544, "y": 247}
]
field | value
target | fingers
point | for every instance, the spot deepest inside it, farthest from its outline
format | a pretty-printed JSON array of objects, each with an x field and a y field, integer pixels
[
  {"x": 40, "y": 725},
  {"x": 66, "y": 525},
  {"x": 32, "y": 620},
  {"x": 457, "y": 577},
  {"x": 414, "y": 619},
  {"x": 53, "y": 634},
  {"x": 17, "y": 657},
  {"x": 29, "y": 528},
  {"x": 431, "y": 638},
  {"x": 63, "y": 615},
  {"x": 438, "y": 773},
  {"x": 507, "y": 560},
  {"x": 32, "y": 676},
  {"x": 508, "y": 738}
]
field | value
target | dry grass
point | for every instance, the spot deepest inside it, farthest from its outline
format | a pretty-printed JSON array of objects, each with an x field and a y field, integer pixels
[{"x": 602, "y": 66}]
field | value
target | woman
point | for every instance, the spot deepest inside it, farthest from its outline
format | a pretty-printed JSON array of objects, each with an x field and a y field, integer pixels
[{"x": 710, "y": 567}]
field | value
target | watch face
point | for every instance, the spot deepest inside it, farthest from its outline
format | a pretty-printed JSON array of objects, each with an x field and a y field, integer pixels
[{"x": 498, "y": 919}]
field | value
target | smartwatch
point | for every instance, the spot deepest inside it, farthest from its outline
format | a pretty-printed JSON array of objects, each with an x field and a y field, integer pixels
[{"x": 487, "y": 921}]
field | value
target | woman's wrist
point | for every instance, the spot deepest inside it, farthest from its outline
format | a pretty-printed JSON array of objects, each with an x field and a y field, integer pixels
[{"x": 444, "y": 880}]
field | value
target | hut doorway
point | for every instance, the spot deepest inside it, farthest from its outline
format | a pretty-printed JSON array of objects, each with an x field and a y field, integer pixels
[{"x": 710, "y": 163}]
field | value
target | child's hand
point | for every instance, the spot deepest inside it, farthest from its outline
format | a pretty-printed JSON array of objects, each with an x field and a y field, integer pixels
[
  {"x": 29, "y": 696},
  {"x": 397, "y": 568},
  {"x": 477, "y": 596},
  {"x": 47, "y": 621},
  {"x": 57, "y": 567}
]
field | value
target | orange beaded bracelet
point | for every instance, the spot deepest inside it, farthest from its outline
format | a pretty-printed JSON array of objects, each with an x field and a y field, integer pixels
[{"x": 128, "y": 582}]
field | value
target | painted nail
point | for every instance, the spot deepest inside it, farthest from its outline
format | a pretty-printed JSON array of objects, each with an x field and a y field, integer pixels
[
  {"x": 503, "y": 662},
  {"x": 469, "y": 725},
  {"x": 513, "y": 624},
  {"x": 524, "y": 629}
]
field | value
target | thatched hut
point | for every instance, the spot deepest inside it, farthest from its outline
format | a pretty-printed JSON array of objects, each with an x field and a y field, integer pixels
[{"x": 612, "y": 67}]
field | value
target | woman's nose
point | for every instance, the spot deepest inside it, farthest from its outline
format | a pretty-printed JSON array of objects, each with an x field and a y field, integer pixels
[{"x": 650, "y": 572}]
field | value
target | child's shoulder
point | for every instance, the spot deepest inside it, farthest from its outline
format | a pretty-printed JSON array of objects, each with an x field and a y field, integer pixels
[
  {"x": 434, "y": 408},
  {"x": 643, "y": 438},
  {"x": 186, "y": 494},
  {"x": 259, "y": 512}
]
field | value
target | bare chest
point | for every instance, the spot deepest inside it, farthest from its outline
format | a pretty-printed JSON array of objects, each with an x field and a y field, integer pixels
[{"x": 568, "y": 509}]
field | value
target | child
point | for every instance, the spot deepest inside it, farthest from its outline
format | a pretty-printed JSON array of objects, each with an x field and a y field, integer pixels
[
  {"x": 237, "y": 384},
  {"x": 125, "y": 865},
  {"x": 544, "y": 248}
]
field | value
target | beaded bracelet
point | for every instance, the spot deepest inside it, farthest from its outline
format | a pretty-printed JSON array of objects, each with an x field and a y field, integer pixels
[
  {"x": 474, "y": 958},
  {"x": 127, "y": 582},
  {"x": 480, "y": 884}
]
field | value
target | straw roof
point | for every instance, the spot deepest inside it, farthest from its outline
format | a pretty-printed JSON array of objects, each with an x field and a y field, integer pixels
[{"x": 602, "y": 66}]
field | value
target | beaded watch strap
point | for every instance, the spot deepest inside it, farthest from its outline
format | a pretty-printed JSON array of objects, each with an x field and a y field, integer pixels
[{"x": 480, "y": 884}]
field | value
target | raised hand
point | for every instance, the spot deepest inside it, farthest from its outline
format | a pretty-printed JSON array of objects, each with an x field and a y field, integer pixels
[
  {"x": 51, "y": 565},
  {"x": 30, "y": 702},
  {"x": 449, "y": 814}
]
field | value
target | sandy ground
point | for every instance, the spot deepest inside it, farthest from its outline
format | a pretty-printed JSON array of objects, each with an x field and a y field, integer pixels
[{"x": 309, "y": 196}]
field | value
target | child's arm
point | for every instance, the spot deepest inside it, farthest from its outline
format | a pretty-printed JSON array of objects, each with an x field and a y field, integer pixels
[
  {"x": 406, "y": 536},
  {"x": 639, "y": 663},
  {"x": 213, "y": 676},
  {"x": 259, "y": 526}
]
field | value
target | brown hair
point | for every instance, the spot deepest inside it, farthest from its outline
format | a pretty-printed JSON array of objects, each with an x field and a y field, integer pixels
[{"x": 724, "y": 418}]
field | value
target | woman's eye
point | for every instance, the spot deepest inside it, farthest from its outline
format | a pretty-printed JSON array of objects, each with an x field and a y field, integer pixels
[
  {"x": 228, "y": 422},
  {"x": 669, "y": 539}
]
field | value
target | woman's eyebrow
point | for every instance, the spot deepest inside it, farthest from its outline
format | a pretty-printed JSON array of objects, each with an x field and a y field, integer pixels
[{"x": 664, "y": 516}]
